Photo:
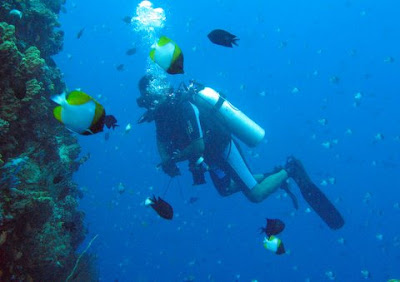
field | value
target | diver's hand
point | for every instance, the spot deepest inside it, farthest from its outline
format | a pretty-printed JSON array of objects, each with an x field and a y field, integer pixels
[
  {"x": 198, "y": 169},
  {"x": 169, "y": 167}
]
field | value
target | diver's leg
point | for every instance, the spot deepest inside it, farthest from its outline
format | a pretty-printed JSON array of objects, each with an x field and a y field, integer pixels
[
  {"x": 284, "y": 186},
  {"x": 259, "y": 177},
  {"x": 239, "y": 186},
  {"x": 266, "y": 186},
  {"x": 255, "y": 187},
  {"x": 223, "y": 183}
]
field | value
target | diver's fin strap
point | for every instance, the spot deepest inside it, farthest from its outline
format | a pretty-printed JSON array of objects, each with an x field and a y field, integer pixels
[{"x": 219, "y": 103}]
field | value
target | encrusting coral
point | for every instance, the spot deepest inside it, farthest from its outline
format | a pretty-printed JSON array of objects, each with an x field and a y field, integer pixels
[{"x": 40, "y": 226}]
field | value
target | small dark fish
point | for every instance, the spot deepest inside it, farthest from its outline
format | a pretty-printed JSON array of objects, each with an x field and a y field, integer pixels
[
  {"x": 162, "y": 208},
  {"x": 283, "y": 44},
  {"x": 193, "y": 200},
  {"x": 57, "y": 179},
  {"x": 120, "y": 67},
  {"x": 273, "y": 227},
  {"x": 223, "y": 38},
  {"x": 121, "y": 188},
  {"x": 110, "y": 121},
  {"x": 389, "y": 59},
  {"x": 127, "y": 19},
  {"x": 69, "y": 226},
  {"x": 334, "y": 79},
  {"x": 107, "y": 136},
  {"x": 131, "y": 51},
  {"x": 80, "y": 33}
]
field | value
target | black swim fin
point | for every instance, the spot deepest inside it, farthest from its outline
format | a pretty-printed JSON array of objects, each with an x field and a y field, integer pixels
[{"x": 313, "y": 195}]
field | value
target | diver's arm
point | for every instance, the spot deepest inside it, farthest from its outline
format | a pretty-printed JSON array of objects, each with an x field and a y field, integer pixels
[
  {"x": 168, "y": 164},
  {"x": 192, "y": 152}
]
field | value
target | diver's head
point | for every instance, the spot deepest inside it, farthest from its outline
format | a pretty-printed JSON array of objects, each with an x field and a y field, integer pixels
[{"x": 153, "y": 92}]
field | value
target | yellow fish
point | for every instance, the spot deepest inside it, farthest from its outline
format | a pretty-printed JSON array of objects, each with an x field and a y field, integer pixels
[
  {"x": 167, "y": 55},
  {"x": 80, "y": 113}
]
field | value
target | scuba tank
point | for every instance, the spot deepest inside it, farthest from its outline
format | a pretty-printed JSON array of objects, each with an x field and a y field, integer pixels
[{"x": 239, "y": 124}]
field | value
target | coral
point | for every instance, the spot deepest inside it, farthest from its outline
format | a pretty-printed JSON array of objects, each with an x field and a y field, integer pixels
[
  {"x": 26, "y": 75},
  {"x": 68, "y": 152},
  {"x": 32, "y": 62},
  {"x": 9, "y": 54},
  {"x": 40, "y": 226},
  {"x": 38, "y": 27},
  {"x": 7, "y": 32},
  {"x": 54, "y": 5},
  {"x": 4, "y": 125},
  {"x": 31, "y": 172},
  {"x": 33, "y": 87},
  {"x": 3, "y": 237}
]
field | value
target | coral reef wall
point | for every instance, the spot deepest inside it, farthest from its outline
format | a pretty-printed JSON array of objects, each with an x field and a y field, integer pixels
[{"x": 40, "y": 226}]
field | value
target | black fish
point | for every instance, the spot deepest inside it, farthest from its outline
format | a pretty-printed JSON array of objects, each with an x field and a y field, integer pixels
[
  {"x": 120, "y": 67},
  {"x": 273, "y": 227},
  {"x": 110, "y": 121},
  {"x": 80, "y": 33},
  {"x": 222, "y": 37},
  {"x": 162, "y": 208},
  {"x": 127, "y": 19},
  {"x": 107, "y": 136},
  {"x": 131, "y": 51}
]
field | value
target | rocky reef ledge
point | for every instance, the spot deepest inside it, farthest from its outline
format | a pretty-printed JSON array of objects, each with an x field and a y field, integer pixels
[{"x": 40, "y": 226}]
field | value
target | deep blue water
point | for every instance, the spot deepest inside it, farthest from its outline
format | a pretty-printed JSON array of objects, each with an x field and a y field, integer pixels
[{"x": 217, "y": 239}]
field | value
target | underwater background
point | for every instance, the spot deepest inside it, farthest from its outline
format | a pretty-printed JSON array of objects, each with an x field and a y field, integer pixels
[{"x": 321, "y": 77}]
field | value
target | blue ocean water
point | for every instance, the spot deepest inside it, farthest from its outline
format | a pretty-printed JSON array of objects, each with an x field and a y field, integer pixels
[{"x": 322, "y": 77}]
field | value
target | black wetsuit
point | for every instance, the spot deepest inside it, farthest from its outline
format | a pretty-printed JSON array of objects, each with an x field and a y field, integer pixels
[{"x": 180, "y": 123}]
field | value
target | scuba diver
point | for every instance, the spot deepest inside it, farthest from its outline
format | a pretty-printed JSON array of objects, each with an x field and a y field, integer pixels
[{"x": 196, "y": 124}]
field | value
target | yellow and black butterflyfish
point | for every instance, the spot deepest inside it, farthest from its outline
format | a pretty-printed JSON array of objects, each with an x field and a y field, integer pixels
[
  {"x": 167, "y": 54},
  {"x": 80, "y": 113}
]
